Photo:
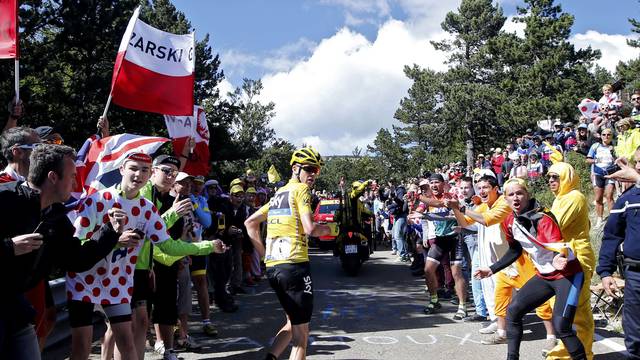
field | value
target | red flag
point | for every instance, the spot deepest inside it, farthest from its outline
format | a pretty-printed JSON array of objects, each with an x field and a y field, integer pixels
[
  {"x": 154, "y": 70},
  {"x": 181, "y": 128},
  {"x": 9, "y": 29}
]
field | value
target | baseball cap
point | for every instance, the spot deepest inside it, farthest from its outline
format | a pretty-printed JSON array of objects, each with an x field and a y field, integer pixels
[
  {"x": 182, "y": 175},
  {"x": 423, "y": 182},
  {"x": 480, "y": 155},
  {"x": 498, "y": 150},
  {"x": 235, "y": 182},
  {"x": 251, "y": 190},
  {"x": 138, "y": 156},
  {"x": 199, "y": 179},
  {"x": 166, "y": 160},
  {"x": 557, "y": 123},
  {"x": 583, "y": 126},
  {"x": 436, "y": 177},
  {"x": 529, "y": 131},
  {"x": 211, "y": 182},
  {"x": 549, "y": 135},
  {"x": 235, "y": 189},
  {"x": 44, "y": 131}
]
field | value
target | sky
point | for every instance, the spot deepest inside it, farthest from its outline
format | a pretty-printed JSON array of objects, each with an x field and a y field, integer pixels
[{"x": 334, "y": 68}]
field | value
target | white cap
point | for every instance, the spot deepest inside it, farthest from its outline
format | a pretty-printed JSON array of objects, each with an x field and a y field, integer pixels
[{"x": 182, "y": 175}]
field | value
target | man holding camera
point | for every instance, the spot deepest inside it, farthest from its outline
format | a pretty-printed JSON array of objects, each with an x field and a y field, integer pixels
[{"x": 621, "y": 235}]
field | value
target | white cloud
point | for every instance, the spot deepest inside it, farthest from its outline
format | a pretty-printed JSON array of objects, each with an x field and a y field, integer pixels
[
  {"x": 613, "y": 47},
  {"x": 336, "y": 94},
  {"x": 225, "y": 87},
  {"x": 511, "y": 26},
  {"x": 280, "y": 59},
  {"x": 348, "y": 88}
]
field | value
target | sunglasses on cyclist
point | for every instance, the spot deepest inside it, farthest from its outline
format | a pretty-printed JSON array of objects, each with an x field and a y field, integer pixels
[{"x": 311, "y": 169}]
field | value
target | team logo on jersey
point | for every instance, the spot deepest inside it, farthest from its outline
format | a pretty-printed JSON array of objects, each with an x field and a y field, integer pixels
[{"x": 279, "y": 204}]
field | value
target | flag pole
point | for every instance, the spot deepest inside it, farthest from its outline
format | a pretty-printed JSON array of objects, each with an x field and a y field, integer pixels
[
  {"x": 17, "y": 79},
  {"x": 106, "y": 108}
]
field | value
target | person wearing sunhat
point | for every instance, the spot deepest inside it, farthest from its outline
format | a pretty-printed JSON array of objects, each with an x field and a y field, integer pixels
[
  {"x": 235, "y": 213},
  {"x": 583, "y": 139},
  {"x": 237, "y": 181},
  {"x": 628, "y": 139},
  {"x": 198, "y": 267}
]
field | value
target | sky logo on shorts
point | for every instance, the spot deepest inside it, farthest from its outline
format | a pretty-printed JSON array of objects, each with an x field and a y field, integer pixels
[{"x": 307, "y": 285}]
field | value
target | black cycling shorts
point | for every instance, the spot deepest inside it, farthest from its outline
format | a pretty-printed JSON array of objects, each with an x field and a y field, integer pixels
[
  {"x": 142, "y": 291},
  {"x": 451, "y": 244},
  {"x": 81, "y": 313},
  {"x": 198, "y": 265},
  {"x": 293, "y": 285}
]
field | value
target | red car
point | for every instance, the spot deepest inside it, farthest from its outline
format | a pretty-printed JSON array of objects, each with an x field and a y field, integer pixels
[{"x": 326, "y": 213}]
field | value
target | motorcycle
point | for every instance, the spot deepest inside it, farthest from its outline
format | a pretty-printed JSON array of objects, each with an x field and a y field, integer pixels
[
  {"x": 354, "y": 249},
  {"x": 354, "y": 241}
]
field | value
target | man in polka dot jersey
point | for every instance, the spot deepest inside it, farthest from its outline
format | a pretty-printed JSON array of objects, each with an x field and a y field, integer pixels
[{"x": 110, "y": 282}]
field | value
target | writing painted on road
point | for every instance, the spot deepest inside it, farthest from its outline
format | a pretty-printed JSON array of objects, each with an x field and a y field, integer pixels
[{"x": 429, "y": 339}]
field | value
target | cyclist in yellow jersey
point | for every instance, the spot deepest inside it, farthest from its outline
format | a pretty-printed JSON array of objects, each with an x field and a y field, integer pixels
[{"x": 289, "y": 221}]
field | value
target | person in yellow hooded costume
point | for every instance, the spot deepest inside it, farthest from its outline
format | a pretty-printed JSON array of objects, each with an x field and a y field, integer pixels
[{"x": 572, "y": 213}]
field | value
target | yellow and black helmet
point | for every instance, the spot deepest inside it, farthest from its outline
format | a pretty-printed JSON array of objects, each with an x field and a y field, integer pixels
[{"x": 307, "y": 156}]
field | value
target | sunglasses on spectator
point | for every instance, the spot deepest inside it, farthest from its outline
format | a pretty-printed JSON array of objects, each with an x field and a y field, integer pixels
[
  {"x": 553, "y": 177},
  {"x": 27, "y": 146},
  {"x": 57, "y": 141},
  {"x": 635, "y": 98},
  {"x": 168, "y": 171},
  {"x": 311, "y": 169}
]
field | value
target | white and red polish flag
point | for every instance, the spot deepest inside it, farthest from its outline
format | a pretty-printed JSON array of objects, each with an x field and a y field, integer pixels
[
  {"x": 9, "y": 29},
  {"x": 589, "y": 108},
  {"x": 181, "y": 128},
  {"x": 154, "y": 70}
]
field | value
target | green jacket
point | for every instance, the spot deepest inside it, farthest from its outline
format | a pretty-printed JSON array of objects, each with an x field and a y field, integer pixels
[{"x": 170, "y": 251}]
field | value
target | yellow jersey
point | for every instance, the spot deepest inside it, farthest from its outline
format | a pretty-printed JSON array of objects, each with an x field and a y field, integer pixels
[{"x": 286, "y": 240}]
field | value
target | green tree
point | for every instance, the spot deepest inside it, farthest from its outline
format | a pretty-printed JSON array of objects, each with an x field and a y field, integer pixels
[
  {"x": 68, "y": 51},
  {"x": 544, "y": 74},
  {"x": 420, "y": 111},
  {"x": 390, "y": 155},
  {"x": 470, "y": 92},
  {"x": 630, "y": 71},
  {"x": 252, "y": 133}
]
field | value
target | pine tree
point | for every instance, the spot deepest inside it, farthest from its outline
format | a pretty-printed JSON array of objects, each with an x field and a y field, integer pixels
[{"x": 546, "y": 75}]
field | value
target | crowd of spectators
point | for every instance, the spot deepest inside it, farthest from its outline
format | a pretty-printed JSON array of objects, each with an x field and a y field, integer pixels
[
  {"x": 172, "y": 230},
  {"x": 609, "y": 143}
]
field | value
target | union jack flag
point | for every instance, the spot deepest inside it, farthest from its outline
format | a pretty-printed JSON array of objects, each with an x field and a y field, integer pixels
[{"x": 98, "y": 160}]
